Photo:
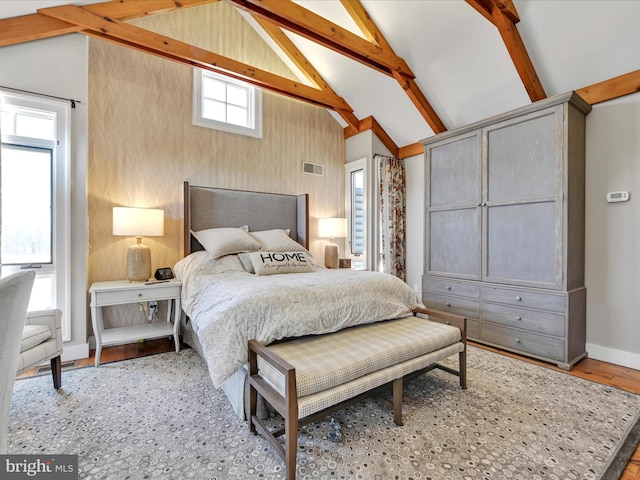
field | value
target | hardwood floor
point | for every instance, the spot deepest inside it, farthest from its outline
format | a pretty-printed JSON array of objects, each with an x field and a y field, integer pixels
[
  {"x": 120, "y": 352},
  {"x": 606, "y": 373}
]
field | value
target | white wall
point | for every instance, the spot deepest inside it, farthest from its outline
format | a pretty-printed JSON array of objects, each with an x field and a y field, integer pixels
[
  {"x": 613, "y": 232},
  {"x": 58, "y": 66}
]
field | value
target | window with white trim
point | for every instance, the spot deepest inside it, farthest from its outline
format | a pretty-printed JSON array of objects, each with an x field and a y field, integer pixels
[
  {"x": 226, "y": 104},
  {"x": 355, "y": 206},
  {"x": 35, "y": 166}
]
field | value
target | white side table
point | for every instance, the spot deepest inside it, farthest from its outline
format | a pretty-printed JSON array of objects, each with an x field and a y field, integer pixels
[{"x": 121, "y": 292}]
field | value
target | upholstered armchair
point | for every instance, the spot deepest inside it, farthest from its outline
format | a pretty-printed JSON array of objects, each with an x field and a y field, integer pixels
[
  {"x": 42, "y": 341},
  {"x": 15, "y": 291}
]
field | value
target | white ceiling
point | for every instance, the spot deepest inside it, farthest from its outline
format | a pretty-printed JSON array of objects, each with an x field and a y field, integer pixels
[
  {"x": 458, "y": 57},
  {"x": 461, "y": 63}
]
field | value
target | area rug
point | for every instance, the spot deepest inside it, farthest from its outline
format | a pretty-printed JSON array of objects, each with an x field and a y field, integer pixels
[{"x": 159, "y": 417}]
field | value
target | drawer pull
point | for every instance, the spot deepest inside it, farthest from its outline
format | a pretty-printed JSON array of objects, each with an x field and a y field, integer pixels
[
  {"x": 139, "y": 294},
  {"x": 448, "y": 287},
  {"x": 517, "y": 340},
  {"x": 448, "y": 322},
  {"x": 448, "y": 304},
  {"x": 518, "y": 298},
  {"x": 518, "y": 317}
]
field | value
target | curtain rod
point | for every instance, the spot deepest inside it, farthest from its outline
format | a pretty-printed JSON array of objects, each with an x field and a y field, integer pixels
[{"x": 70, "y": 100}]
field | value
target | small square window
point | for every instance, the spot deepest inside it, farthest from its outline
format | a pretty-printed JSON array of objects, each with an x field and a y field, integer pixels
[{"x": 226, "y": 104}]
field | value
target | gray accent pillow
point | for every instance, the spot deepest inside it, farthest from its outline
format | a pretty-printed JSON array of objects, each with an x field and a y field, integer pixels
[{"x": 245, "y": 260}]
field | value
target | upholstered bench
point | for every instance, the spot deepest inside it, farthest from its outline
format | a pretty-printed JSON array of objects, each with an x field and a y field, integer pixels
[{"x": 307, "y": 378}]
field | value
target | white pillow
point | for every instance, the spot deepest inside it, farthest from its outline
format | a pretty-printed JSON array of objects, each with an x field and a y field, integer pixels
[
  {"x": 277, "y": 240},
  {"x": 226, "y": 241},
  {"x": 270, "y": 263}
]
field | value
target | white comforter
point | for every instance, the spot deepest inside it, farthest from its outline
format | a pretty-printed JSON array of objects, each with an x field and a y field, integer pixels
[{"x": 229, "y": 306}]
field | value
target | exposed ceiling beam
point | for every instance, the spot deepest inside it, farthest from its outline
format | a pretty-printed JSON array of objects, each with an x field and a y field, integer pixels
[
  {"x": 482, "y": 7},
  {"x": 421, "y": 103},
  {"x": 366, "y": 25},
  {"x": 508, "y": 9},
  {"x": 296, "y": 56},
  {"x": 612, "y": 88},
  {"x": 172, "y": 49},
  {"x": 292, "y": 52},
  {"x": 485, "y": 7},
  {"x": 34, "y": 27},
  {"x": 307, "y": 24},
  {"x": 515, "y": 45},
  {"x": 370, "y": 123},
  {"x": 407, "y": 82},
  {"x": 502, "y": 14},
  {"x": 411, "y": 150}
]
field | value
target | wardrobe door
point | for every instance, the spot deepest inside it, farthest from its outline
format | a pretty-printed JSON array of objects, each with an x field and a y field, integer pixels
[
  {"x": 453, "y": 215},
  {"x": 522, "y": 234}
]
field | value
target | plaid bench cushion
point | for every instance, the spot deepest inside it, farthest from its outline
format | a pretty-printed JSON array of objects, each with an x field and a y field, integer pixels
[{"x": 326, "y": 361}]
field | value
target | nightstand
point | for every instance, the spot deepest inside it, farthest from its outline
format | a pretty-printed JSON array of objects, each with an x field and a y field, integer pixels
[{"x": 120, "y": 292}]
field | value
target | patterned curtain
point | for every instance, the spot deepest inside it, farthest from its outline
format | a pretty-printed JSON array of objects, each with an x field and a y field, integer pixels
[{"x": 392, "y": 214}]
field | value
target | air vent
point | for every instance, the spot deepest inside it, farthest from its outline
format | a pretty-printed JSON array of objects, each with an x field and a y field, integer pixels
[{"x": 313, "y": 168}]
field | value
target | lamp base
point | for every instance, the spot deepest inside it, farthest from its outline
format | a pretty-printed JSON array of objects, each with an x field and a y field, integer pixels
[
  {"x": 331, "y": 255},
  {"x": 139, "y": 262}
]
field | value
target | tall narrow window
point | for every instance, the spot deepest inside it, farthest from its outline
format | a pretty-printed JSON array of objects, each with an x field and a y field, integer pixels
[
  {"x": 356, "y": 215},
  {"x": 26, "y": 205},
  {"x": 35, "y": 198},
  {"x": 226, "y": 104}
]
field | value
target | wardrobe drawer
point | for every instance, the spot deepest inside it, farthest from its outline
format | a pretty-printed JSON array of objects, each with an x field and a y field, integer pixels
[
  {"x": 524, "y": 298},
  {"x": 535, "y": 320},
  {"x": 446, "y": 303},
  {"x": 448, "y": 287},
  {"x": 473, "y": 329},
  {"x": 526, "y": 342}
]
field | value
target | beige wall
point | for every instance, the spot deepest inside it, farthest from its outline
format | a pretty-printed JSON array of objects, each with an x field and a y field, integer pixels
[{"x": 142, "y": 144}]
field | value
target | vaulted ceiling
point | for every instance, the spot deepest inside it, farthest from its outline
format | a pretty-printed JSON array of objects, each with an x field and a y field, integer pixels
[{"x": 406, "y": 69}]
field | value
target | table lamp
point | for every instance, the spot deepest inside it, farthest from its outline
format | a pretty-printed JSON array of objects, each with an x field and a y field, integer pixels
[
  {"x": 331, "y": 228},
  {"x": 138, "y": 222}
]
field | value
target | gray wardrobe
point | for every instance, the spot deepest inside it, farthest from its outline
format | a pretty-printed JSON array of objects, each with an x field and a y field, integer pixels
[{"x": 504, "y": 228}]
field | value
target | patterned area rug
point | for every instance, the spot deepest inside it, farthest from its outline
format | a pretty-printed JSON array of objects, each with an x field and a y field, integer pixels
[{"x": 159, "y": 417}]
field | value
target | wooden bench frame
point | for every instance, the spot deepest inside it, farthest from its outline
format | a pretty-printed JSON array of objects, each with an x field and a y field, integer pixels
[{"x": 287, "y": 406}]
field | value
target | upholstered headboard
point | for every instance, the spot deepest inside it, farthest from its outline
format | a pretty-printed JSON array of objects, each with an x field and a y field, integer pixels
[{"x": 206, "y": 207}]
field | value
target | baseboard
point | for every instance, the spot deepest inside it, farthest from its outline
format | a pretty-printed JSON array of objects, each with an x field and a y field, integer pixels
[
  {"x": 75, "y": 352},
  {"x": 611, "y": 355}
]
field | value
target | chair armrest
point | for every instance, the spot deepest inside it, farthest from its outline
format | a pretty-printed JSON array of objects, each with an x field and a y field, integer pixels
[
  {"x": 51, "y": 318},
  {"x": 277, "y": 401}
]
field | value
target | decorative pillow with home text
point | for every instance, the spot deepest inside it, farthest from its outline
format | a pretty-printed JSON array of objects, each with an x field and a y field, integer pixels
[{"x": 270, "y": 263}]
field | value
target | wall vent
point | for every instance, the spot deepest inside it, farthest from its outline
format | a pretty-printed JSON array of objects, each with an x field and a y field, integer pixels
[{"x": 312, "y": 168}]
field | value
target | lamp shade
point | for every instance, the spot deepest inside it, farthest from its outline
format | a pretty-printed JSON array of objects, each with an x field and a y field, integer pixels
[
  {"x": 138, "y": 222},
  {"x": 332, "y": 227}
]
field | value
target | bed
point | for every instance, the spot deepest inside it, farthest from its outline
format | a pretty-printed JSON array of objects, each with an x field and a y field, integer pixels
[{"x": 226, "y": 305}]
